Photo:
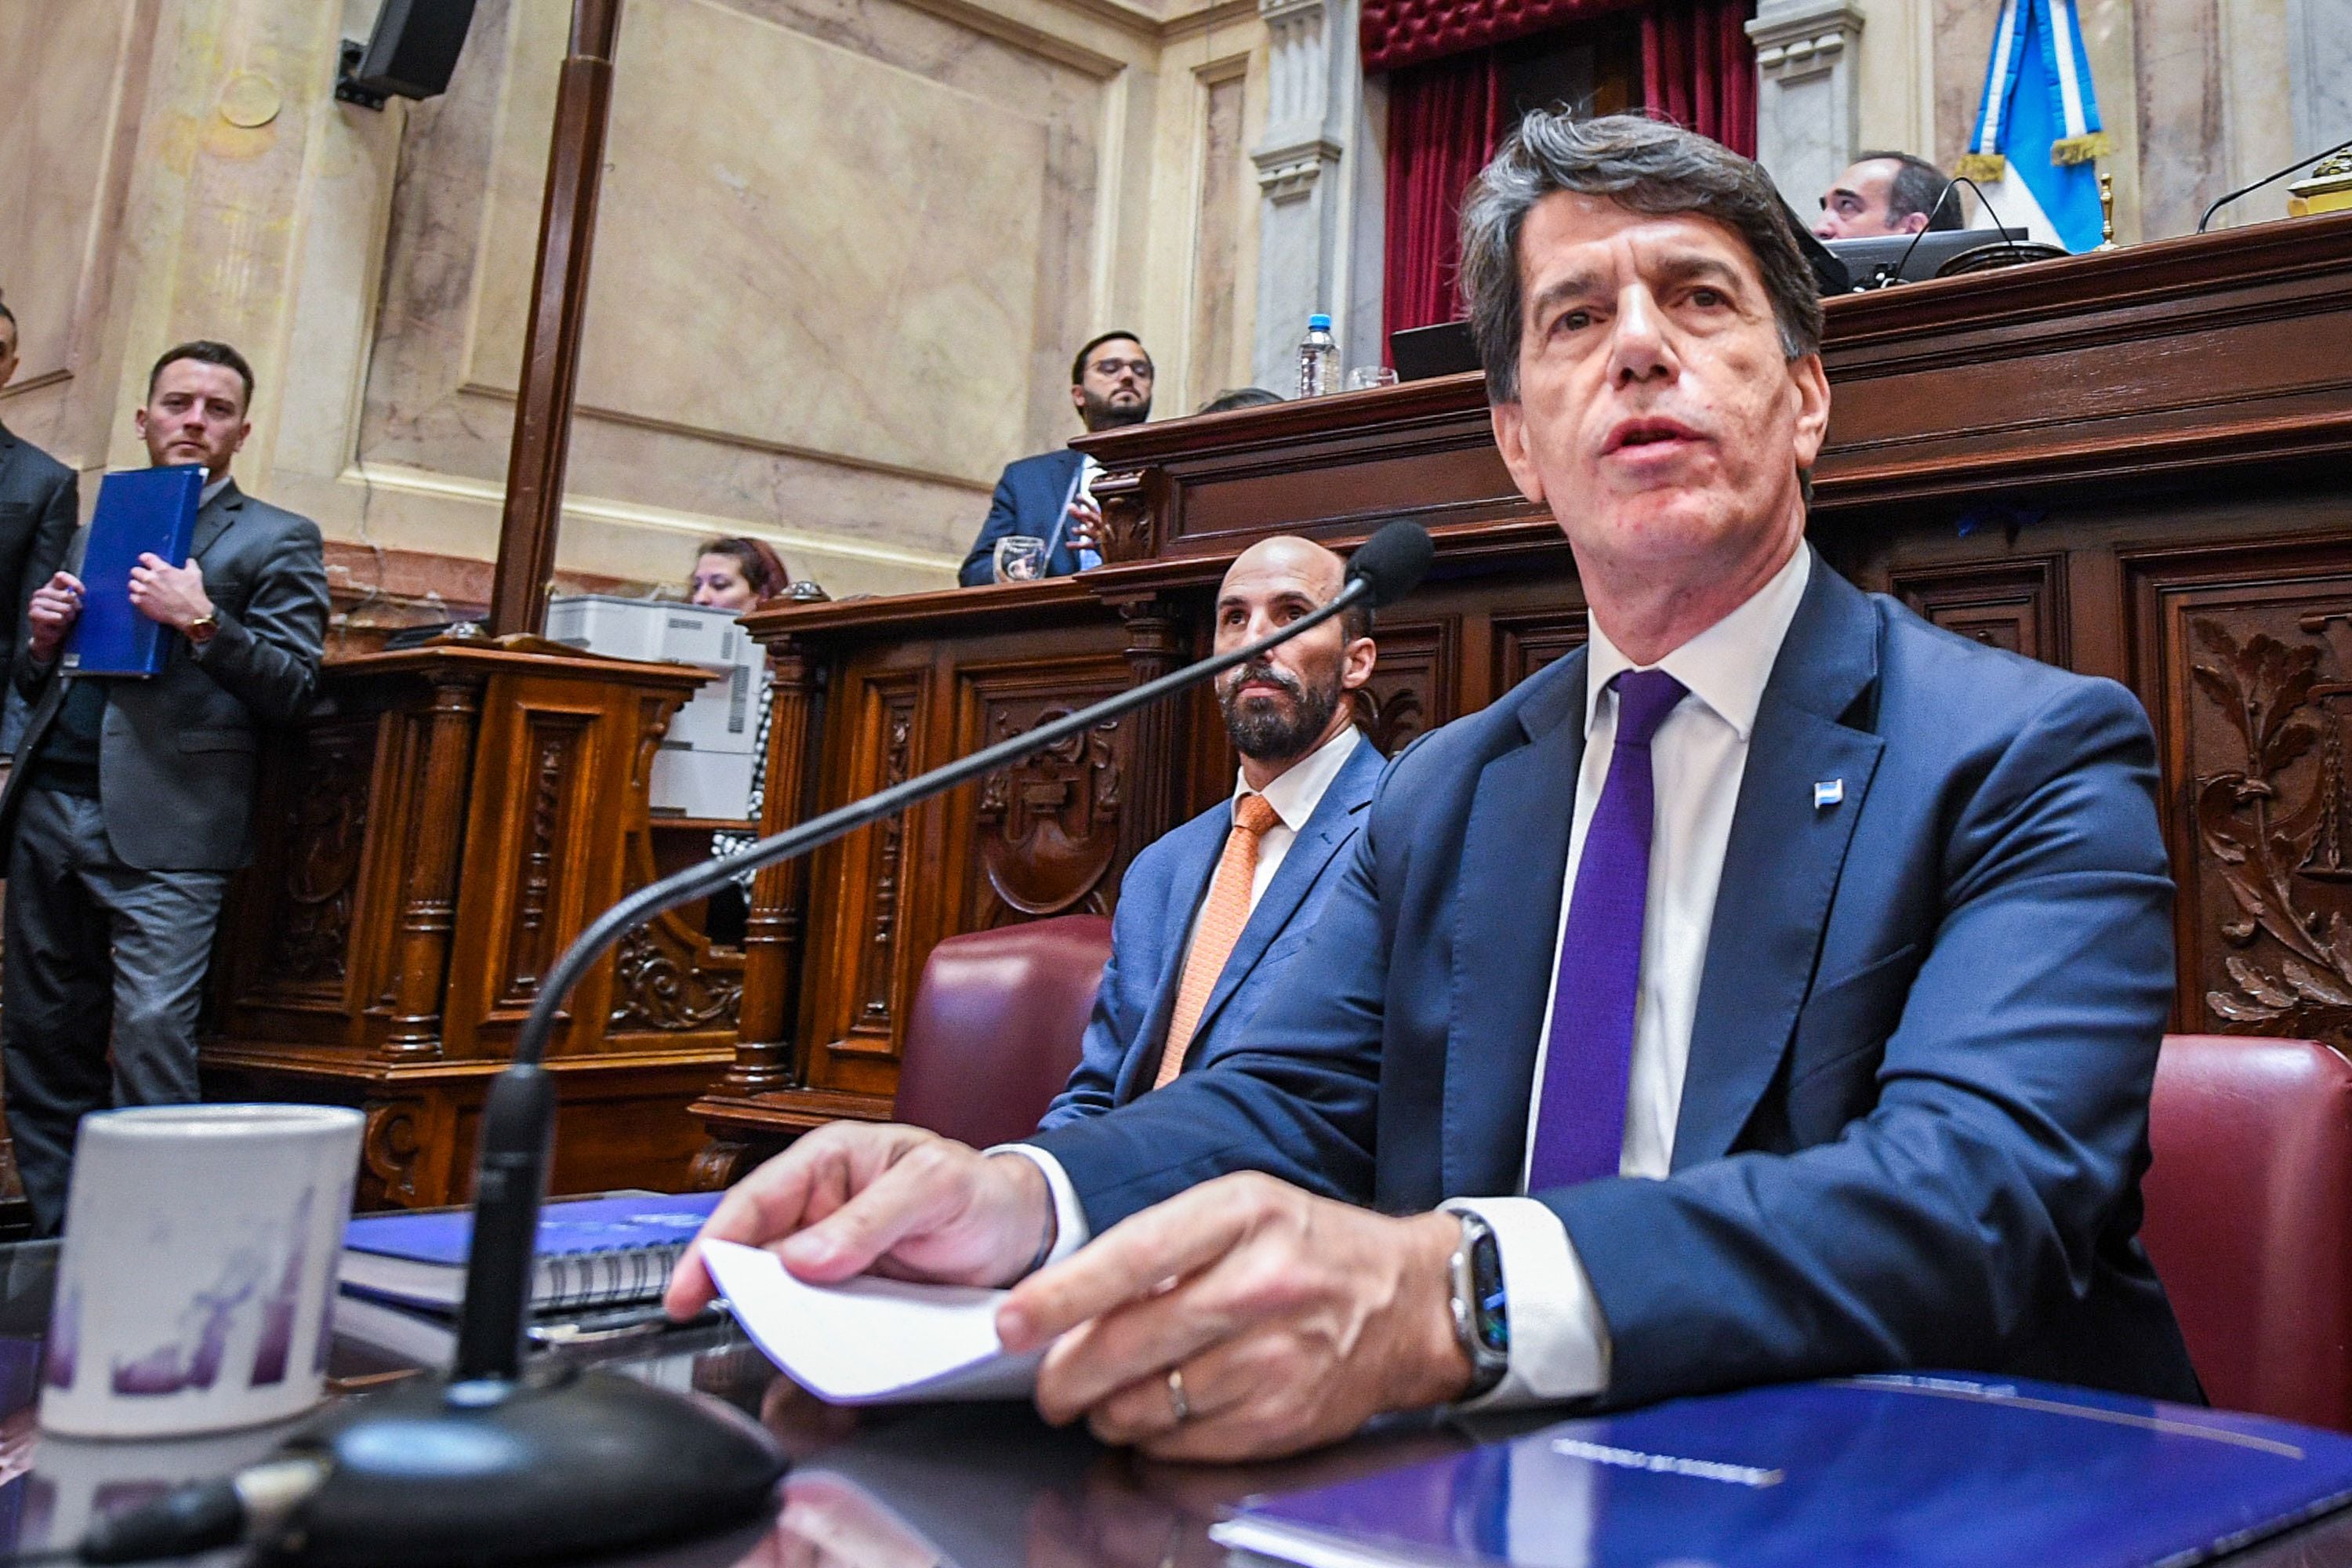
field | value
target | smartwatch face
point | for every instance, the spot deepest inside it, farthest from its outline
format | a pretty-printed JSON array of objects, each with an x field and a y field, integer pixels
[{"x": 1494, "y": 1321}]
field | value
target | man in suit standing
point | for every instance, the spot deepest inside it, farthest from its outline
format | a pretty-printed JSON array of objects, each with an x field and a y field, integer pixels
[
  {"x": 40, "y": 498},
  {"x": 1211, "y": 915},
  {"x": 1770, "y": 989},
  {"x": 131, "y": 801},
  {"x": 1045, "y": 497}
]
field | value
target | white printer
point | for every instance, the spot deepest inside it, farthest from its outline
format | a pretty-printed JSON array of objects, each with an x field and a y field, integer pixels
[{"x": 704, "y": 766}]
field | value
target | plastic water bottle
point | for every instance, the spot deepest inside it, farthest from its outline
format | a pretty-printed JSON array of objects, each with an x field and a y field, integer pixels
[{"x": 1318, "y": 359}]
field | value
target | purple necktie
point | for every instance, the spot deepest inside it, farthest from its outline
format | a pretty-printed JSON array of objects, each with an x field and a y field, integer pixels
[{"x": 1581, "y": 1129}]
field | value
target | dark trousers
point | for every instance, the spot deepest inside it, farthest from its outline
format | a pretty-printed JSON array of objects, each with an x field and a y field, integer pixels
[{"x": 96, "y": 953}]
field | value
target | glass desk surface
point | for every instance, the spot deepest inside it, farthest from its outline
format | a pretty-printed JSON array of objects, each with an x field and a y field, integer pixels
[{"x": 973, "y": 1486}]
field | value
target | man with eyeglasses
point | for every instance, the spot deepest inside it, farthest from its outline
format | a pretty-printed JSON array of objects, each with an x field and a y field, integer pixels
[{"x": 1046, "y": 497}]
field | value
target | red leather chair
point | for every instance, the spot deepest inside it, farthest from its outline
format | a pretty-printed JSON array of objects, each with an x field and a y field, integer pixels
[
  {"x": 2250, "y": 1219},
  {"x": 996, "y": 1024}
]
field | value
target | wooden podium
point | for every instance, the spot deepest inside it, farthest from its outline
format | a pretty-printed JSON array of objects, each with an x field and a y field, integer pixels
[
  {"x": 429, "y": 846},
  {"x": 2132, "y": 464}
]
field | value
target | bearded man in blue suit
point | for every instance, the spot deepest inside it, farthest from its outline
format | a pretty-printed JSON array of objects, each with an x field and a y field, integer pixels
[
  {"x": 1211, "y": 916},
  {"x": 1047, "y": 497},
  {"x": 1770, "y": 989}
]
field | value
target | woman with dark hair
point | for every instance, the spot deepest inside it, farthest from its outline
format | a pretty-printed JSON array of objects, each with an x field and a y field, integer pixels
[{"x": 736, "y": 575}]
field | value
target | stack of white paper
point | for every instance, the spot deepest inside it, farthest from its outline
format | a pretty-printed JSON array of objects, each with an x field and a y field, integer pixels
[{"x": 871, "y": 1341}]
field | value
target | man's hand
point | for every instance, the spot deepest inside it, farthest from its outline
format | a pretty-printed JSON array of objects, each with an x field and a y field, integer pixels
[
  {"x": 1293, "y": 1320},
  {"x": 55, "y": 606},
  {"x": 855, "y": 1198},
  {"x": 168, "y": 595},
  {"x": 1085, "y": 529}
]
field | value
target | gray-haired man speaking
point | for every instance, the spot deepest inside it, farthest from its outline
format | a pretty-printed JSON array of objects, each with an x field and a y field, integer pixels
[{"x": 1770, "y": 989}]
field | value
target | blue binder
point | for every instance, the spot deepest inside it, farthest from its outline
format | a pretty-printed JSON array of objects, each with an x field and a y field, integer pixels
[
  {"x": 1922, "y": 1472},
  {"x": 139, "y": 510}
]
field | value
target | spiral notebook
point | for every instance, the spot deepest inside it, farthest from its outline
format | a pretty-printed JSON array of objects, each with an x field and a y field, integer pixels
[{"x": 592, "y": 1252}]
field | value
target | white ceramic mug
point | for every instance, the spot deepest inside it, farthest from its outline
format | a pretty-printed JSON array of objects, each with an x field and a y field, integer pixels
[{"x": 199, "y": 1262}]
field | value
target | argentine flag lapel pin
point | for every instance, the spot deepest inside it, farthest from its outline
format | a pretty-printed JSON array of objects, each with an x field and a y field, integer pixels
[{"x": 1828, "y": 793}]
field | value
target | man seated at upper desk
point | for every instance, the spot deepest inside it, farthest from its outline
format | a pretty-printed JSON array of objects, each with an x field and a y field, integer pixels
[
  {"x": 1211, "y": 916},
  {"x": 1881, "y": 193},
  {"x": 1772, "y": 987},
  {"x": 1045, "y": 497}
]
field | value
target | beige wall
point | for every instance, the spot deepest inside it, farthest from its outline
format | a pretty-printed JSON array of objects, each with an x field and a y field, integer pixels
[{"x": 845, "y": 250}]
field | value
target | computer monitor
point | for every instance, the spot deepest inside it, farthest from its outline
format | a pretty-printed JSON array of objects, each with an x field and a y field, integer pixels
[{"x": 1873, "y": 262}]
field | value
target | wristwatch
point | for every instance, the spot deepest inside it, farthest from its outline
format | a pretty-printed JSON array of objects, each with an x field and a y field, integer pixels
[
  {"x": 201, "y": 631},
  {"x": 1482, "y": 1318}
]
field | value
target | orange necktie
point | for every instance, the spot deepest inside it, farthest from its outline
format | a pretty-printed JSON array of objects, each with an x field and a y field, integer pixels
[{"x": 1222, "y": 919}]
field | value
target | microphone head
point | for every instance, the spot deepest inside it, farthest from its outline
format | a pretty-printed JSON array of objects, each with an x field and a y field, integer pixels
[{"x": 1392, "y": 561}]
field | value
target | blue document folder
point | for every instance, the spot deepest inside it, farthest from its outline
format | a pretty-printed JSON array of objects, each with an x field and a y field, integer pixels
[
  {"x": 1921, "y": 1471},
  {"x": 139, "y": 510}
]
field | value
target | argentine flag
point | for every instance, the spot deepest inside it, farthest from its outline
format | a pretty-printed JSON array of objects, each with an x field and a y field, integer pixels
[{"x": 2037, "y": 135}]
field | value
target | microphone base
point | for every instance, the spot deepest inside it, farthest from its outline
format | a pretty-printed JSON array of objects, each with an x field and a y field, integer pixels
[{"x": 574, "y": 1464}]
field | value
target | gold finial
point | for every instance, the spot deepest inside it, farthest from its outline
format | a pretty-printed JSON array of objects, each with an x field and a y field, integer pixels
[{"x": 2106, "y": 211}]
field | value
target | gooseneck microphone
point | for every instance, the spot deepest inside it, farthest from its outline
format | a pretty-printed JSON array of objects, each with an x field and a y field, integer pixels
[
  {"x": 2267, "y": 179},
  {"x": 497, "y": 1463}
]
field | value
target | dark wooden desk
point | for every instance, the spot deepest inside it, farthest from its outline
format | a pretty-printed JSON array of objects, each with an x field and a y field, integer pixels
[
  {"x": 2131, "y": 464},
  {"x": 982, "y": 1486}
]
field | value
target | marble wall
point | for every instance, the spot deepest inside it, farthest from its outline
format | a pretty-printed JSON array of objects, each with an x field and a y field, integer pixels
[{"x": 845, "y": 250}]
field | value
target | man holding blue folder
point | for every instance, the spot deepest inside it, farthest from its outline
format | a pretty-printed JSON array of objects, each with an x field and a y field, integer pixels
[{"x": 131, "y": 800}]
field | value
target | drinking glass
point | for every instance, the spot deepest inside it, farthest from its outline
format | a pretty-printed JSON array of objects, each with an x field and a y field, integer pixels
[
  {"x": 1020, "y": 558},
  {"x": 1364, "y": 377}
]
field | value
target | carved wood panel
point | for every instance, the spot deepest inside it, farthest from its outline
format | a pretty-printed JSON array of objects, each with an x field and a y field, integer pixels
[
  {"x": 2018, "y": 604},
  {"x": 552, "y": 781},
  {"x": 323, "y": 830},
  {"x": 1046, "y": 832},
  {"x": 2246, "y": 659},
  {"x": 1415, "y": 686}
]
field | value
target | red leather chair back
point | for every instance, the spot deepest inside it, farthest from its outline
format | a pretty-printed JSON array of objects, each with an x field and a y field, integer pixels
[
  {"x": 2250, "y": 1219},
  {"x": 996, "y": 1026}
]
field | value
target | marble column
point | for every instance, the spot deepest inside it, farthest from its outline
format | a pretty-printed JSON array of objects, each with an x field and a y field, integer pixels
[
  {"x": 1315, "y": 95},
  {"x": 1808, "y": 93}
]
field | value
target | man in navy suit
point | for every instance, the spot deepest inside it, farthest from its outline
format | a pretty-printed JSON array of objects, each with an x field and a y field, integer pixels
[
  {"x": 1045, "y": 497},
  {"x": 1770, "y": 989},
  {"x": 1211, "y": 916}
]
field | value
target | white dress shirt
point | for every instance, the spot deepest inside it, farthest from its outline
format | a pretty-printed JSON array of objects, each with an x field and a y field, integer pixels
[
  {"x": 1293, "y": 796},
  {"x": 1559, "y": 1341}
]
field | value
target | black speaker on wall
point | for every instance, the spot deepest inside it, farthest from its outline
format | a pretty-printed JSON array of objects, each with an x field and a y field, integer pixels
[{"x": 409, "y": 54}]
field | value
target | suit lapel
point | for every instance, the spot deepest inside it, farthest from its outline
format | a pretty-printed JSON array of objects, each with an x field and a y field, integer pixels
[
  {"x": 212, "y": 521},
  {"x": 1513, "y": 855},
  {"x": 1186, "y": 888},
  {"x": 1326, "y": 828},
  {"x": 1781, "y": 867}
]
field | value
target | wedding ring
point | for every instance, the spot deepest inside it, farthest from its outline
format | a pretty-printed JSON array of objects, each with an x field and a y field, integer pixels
[{"x": 1176, "y": 1396}]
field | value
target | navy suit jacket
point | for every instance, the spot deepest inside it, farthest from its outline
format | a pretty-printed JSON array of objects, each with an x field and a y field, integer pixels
[
  {"x": 1030, "y": 499},
  {"x": 1157, "y": 900},
  {"x": 1915, "y": 1112}
]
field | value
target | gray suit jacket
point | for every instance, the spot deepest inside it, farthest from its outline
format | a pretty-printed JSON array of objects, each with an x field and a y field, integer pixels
[
  {"x": 177, "y": 753},
  {"x": 40, "y": 498}
]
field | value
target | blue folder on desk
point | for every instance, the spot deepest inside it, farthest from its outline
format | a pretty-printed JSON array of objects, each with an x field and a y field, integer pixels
[
  {"x": 1920, "y": 1471},
  {"x": 139, "y": 510}
]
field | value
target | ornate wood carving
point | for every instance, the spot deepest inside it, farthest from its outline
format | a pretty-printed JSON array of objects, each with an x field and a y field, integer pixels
[
  {"x": 653, "y": 989},
  {"x": 394, "y": 1148},
  {"x": 1412, "y": 689},
  {"x": 717, "y": 1165},
  {"x": 1157, "y": 640},
  {"x": 553, "y": 752},
  {"x": 886, "y": 862},
  {"x": 1127, "y": 515},
  {"x": 1047, "y": 828},
  {"x": 323, "y": 831},
  {"x": 2018, "y": 604}
]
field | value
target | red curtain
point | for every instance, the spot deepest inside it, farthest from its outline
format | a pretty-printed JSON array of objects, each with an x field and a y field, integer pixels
[
  {"x": 1445, "y": 122},
  {"x": 1698, "y": 69}
]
